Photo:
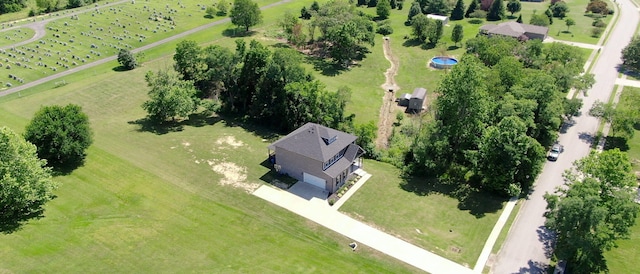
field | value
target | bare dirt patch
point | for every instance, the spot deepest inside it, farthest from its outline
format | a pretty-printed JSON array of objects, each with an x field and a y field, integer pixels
[
  {"x": 229, "y": 140},
  {"x": 234, "y": 175},
  {"x": 389, "y": 106}
]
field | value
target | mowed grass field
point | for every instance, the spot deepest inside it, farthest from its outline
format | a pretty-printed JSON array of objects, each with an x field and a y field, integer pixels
[
  {"x": 158, "y": 201},
  {"x": 427, "y": 215},
  {"x": 148, "y": 201}
]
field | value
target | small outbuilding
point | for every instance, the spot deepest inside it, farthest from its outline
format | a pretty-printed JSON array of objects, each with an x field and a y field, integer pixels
[
  {"x": 444, "y": 19},
  {"x": 404, "y": 100},
  {"x": 417, "y": 100}
]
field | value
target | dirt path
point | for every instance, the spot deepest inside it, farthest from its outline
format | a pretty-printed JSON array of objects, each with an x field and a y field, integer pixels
[{"x": 389, "y": 106}]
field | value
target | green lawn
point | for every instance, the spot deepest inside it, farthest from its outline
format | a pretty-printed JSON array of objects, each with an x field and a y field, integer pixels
[
  {"x": 154, "y": 199},
  {"x": 581, "y": 32},
  {"x": 154, "y": 202},
  {"x": 424, "y": 214},
  {"x": 621, "y": 259}
]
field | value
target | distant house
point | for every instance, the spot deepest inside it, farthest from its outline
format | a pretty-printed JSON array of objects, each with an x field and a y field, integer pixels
[
  {"x": 318, "y": 155},
  {"x": 417, "y": 100},
  {"x": 515, "y": 30},
  {"x": 444, "y": 19}
]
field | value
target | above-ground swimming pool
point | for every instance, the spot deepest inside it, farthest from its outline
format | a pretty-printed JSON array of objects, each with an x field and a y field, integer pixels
[{"x": 443, "y": 62}]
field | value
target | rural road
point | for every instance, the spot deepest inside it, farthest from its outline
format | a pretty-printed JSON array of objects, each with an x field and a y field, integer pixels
[
  {"x": 526, "y": 249},
  {"x": 114, "y": 57}
]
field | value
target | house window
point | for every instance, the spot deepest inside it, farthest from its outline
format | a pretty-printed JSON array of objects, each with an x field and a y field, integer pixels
[{"x": 334, "y": 159}]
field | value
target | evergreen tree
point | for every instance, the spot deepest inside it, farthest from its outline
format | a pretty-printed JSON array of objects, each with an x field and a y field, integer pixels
[
  {"x": 458, "y": 11},
  {"x": 457, "y": 34},
  {"x": 394, "y": 4},
  {"x": 415, "y": 10},
  {"x": 549, "y": 15},
  {"x": 496, "y": 11},
  {"x": 472, "y": 7},
  {"x": 519, "y": 20}
]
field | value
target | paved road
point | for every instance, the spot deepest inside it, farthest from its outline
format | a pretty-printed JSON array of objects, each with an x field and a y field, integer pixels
[
  {"x": 526, "y": 248},
  {"x": 114, "y": 57}
]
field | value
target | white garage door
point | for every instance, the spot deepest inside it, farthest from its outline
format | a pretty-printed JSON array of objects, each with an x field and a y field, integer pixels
[{"x": 313, "y": 180}]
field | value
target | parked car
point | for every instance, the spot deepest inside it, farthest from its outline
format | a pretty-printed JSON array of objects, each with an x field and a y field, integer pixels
[{"x": 554, "y": 152}]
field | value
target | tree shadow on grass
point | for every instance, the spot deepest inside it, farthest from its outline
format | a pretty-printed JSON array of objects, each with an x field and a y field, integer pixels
[
  {"x": 13, "y": 222},
  {"x": 119, "y": 69},
  {"x": 237, "y": 32},
  {"x": 412, "y": 43},
  {"x": 613, "y": 142},
  {"x": 477, "y": 202},
  {"x": 160, "y": 128},
  {"x": 325, "y": 66}
]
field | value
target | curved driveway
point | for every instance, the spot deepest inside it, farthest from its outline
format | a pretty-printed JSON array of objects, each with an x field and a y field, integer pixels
[{"x": 527, "y": 247}]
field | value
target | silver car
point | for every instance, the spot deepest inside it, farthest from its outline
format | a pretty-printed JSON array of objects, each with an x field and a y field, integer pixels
[{"x": 554, "y": 152}]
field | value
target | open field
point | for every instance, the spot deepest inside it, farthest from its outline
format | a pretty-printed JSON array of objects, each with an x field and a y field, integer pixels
[{"x": 158, "y": 201}]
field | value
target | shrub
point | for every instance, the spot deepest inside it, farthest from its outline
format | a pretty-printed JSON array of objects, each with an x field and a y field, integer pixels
[
  {"x": 598, "y": 23},
  {"x": 475, "y": 21},
  {"x": 596, "y": 32},
  {"x": 332, "y": 201},
  {"x": 478, "y": 14}
]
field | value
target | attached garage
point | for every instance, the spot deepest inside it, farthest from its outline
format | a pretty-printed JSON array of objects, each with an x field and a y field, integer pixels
[{"x": 313, "y": 180}]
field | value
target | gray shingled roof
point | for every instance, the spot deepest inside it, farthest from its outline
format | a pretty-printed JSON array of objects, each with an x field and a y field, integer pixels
[
  {"x": 419, "y": 93},
  {"x": 514, "y": 29},
  {"x": 308, "y": 141}
]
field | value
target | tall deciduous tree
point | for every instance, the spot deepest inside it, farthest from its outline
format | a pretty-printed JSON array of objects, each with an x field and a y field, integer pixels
[
  {"x": 559, "y": 9},
  {"x": 126, "y": 59},
  {"x": 8, "y": 6},
  {"x": 496, "y": 11},
  {"x": 595, "y": 209},
  {"x": 62, "y": 134},
  {"x": 170, "y": 97},
  {"x": 458, "y": 11},
  {"x": 245, "y": 13},
  {"x": 383, "y": 9},
  {"x": 631, "y": 54},
  {"x": 25, "y": 181},
  {"x": 514, "y": 6},
  {"x": 569, "y": 22},
  {"x": 457, "y": 34},
  {"x": 509, "y": 160},
  {"x": 463, "y": 106}
]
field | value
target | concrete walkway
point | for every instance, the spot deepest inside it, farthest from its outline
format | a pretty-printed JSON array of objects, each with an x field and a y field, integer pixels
[
  {"x": 360, "y": 232},
  {"x": 576, "y": 44},
  {"x": 493, "y": 237},
  {"x": 626, "y": 82}
]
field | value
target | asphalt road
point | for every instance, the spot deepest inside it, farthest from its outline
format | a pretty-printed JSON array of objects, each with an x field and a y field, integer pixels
[{"x": 527, "y": 247}]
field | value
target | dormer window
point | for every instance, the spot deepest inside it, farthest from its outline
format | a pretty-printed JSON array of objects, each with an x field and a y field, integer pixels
[{"x": 328, "y": 141}]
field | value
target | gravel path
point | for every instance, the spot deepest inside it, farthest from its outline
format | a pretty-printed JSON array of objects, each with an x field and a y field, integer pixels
[{"x": 114, "y": 57}]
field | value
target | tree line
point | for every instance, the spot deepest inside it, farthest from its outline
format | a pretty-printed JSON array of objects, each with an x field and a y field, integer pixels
[
  {"x": 496, "y": 112},
  {"x": 267, "y": 87}
]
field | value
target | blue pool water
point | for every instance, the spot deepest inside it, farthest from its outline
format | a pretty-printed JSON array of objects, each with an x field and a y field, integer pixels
[{"x": 443, "y": 62}]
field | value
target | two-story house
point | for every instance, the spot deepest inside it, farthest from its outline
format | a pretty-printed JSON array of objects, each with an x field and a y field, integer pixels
[{"x": 318, "y": 155}]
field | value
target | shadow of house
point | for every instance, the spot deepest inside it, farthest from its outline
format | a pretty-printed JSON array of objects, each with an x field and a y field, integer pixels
[
  {"x": 516, "y": 30},
  {"x": 317, "y": 155}
]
